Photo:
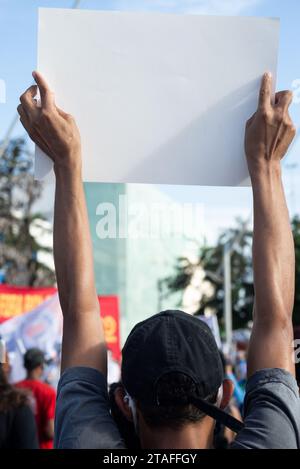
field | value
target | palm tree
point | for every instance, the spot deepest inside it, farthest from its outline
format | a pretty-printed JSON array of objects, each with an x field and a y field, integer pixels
[
  {"x": 210, "y": 260},
  {"x": 19, "y": 249}
]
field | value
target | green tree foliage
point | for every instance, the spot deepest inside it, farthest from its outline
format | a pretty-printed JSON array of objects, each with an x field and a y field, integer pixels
[
  {"x": 18, "y": 193},
  {"x": 211, "y": 261}
]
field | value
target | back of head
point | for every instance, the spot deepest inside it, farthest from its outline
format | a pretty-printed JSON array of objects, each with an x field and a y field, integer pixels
[
  {"x": 170, "y": 362},
  {"x": 33, "y": 359},
  {"x": 176, "y": 391}
]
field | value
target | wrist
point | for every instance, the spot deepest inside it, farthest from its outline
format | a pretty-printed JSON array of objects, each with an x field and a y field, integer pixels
[
  {"x": 70, "y": 167},
  {"x": 263, "y": 171}
]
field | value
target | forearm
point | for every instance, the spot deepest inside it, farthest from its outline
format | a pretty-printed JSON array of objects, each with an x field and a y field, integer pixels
[
  {"x": 49, "y": 430},
  {"x": 83, "y": 335},
  {"x": 274, "y": 266},
  {"x": 273, "y": 247},
  {"x": 72, "y": 245},
  {"x": 57, "y": 134},
  {"x": 269, "y": 133}
]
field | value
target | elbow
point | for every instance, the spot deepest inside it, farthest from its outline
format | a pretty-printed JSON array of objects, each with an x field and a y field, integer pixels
[
  {"x": 274, "y": 312},
  {"x": 281, "y": 321}
]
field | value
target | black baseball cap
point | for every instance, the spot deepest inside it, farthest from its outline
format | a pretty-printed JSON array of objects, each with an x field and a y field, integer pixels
[
  {"x": 33, "y": 358},
  {"x": 174, "y": 341}
]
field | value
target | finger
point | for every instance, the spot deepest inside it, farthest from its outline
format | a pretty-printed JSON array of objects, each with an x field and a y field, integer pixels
[
  {"x": 32, "y": 134},
  {"x": 284, "y": 144},
  {"x": 24, "y": 119},
  {"x": 21, "y": 111},
  {"x": 265, "y": 94},
  {"x": 249, "y": 121},
  {"x": 63, "y": 114},
  {"x": 47, "y": 96},
  {"x": 283, "y": 99},
  {"x": 27, "y": 100},
  {"x": 285, "y": 136},
  {"x": 42, "y": 145}
]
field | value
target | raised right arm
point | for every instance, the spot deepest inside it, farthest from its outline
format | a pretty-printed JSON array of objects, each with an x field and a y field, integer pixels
[{"x": 269, "y": 134}]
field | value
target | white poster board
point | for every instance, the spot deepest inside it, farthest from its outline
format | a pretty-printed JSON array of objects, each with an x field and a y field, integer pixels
[{"x": 158, "y": 98}]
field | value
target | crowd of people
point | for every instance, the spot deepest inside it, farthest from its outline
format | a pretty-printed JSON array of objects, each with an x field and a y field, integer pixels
[
  {"x": 176, "y": 391},
  {"x": 27, "y": 408}
]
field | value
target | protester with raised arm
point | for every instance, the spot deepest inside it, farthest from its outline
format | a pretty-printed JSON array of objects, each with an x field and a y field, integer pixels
[{"x": 173, "y": 388}]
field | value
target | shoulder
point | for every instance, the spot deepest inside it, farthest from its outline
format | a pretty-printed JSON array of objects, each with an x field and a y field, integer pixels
[
  {"x": 271, "y": 411},
  {"x": 47, "y": 389},
  {"x": 83, "y": 418},
  {"x": 39, "y": 387}
]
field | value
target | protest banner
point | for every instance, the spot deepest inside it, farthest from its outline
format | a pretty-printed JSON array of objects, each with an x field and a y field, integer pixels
[
  {"x": 18, "y": 305},
  {"x": 17, "y": 300}
]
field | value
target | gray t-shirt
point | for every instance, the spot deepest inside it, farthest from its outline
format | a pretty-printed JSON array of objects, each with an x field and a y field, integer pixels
[{"x": 83, "y": 419}]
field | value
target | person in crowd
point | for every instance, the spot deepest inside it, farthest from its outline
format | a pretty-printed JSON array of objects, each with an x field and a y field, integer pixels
[
  {"x": 297, "y": 353},
  {"x": 17, "y": 423},
  {"x": 173, "y": 387},
  {"x": 224, "y": 436},
  {"x": 238, "y": 393},
  {"x": 42, "y": 395},
  {"x": 240, "y": 368}
]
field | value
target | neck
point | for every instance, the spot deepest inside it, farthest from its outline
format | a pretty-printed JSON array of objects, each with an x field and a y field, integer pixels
[
  {"x": 33, "y": 375},
  {"x": 190, "y": 436}
]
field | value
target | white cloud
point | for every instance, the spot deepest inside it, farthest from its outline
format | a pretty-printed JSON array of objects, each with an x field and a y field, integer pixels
[{"x": 221, "y": 7}]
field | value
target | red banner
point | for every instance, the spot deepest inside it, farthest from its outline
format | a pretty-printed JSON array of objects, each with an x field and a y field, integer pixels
[
  {"x": 18, "y": 300},
  {"x": 109, "y": 310}
]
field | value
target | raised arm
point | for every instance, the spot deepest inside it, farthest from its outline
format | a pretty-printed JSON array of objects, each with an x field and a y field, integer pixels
[
  {"x": 269, "y": 134},
  {"x": 56, "y": 133}
]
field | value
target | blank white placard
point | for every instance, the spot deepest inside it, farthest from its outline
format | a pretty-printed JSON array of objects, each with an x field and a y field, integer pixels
[{"x": 158, "y": 98}]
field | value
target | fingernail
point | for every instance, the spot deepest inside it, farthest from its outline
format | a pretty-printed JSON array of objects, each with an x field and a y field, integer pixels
[{"x": 268, "y": 75}]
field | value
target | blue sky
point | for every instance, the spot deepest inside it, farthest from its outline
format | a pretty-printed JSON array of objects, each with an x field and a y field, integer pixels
[{"x": 18, "y": 46}]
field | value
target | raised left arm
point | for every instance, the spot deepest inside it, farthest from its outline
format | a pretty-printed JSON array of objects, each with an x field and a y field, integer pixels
[{"x": 56, "y": 133}]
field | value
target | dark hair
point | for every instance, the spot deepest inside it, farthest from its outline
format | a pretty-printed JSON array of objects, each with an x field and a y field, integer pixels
[
  {"x": 33, "y": 358},
  {"x": 10, "y": 397},
  {"x": 174, "y": 411}
]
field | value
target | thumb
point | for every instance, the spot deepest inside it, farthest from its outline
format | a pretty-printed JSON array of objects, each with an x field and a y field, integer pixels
[
  {"x": 63, "y": 114},
  {"x": 47, "y": 96}
]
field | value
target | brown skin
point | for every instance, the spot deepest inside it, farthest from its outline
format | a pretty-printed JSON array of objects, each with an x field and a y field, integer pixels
[
  {"x": 6, "y": 366},
  {"x": 268, "y": 136},
  {"x": 234, "y": 411},
  {"x": 192, "y": 436},
  {"x": 57, "y": 135}
]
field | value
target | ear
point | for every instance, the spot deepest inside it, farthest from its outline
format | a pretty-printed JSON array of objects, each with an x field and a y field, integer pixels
[
  {"x": 228, "y": 388},
  {"x": 122, "y": 403}
]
